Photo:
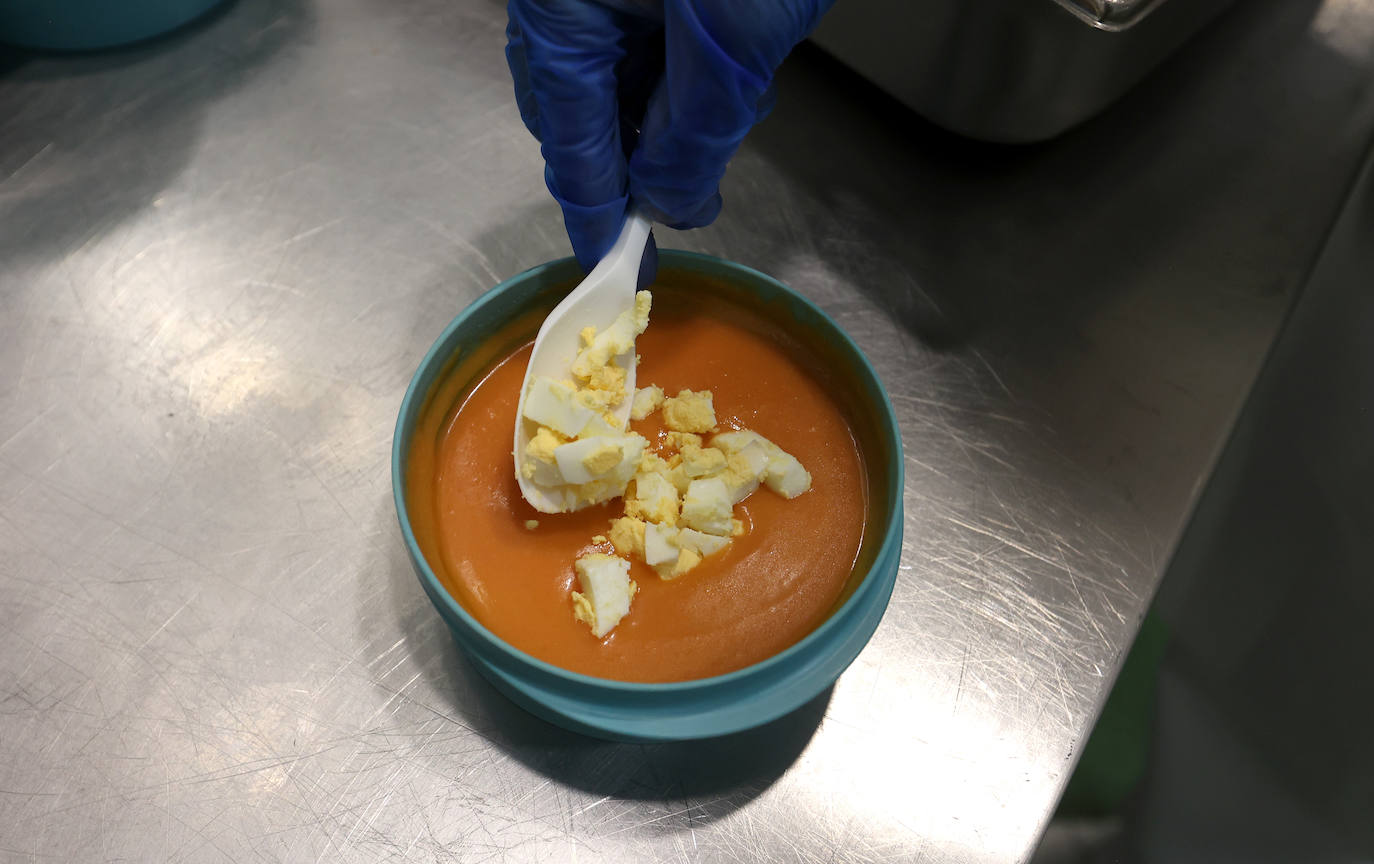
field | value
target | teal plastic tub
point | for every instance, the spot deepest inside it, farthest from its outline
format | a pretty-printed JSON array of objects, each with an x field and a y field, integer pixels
[
  {"x": 87, "y": 25},
  {"x": 704, "y": 707}
]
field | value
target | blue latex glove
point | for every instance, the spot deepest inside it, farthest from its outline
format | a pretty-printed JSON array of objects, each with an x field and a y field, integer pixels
[{"x": 645, "y": 100}]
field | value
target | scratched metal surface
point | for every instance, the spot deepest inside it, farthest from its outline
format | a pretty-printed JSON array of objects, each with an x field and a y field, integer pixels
[{"x": 222, "y": 255}]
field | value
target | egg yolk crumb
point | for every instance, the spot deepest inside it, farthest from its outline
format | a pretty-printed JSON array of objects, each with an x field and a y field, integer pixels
[{"x": 690, "y": 411}]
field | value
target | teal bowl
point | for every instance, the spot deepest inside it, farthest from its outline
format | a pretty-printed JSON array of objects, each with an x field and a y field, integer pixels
[
  {"x": 88, "y": 25},
  {"x": 705, "y": 707}
]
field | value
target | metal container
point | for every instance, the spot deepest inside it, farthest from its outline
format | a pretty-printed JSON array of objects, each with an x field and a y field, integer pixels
[{"x": 1010, "y": 71}]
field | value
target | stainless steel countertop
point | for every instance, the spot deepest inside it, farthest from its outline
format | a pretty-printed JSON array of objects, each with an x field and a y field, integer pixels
[{"x": 222, "y": 255}]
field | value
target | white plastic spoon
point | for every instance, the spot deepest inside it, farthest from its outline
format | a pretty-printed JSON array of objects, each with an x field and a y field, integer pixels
[{"x": 606, "y": 292}]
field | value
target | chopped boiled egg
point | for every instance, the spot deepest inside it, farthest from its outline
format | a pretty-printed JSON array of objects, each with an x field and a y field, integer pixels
[
  {"x": 701, "y": 543},
  {"x": 588, "y": 459},
  {"x": 539, "y": 464},
  {"x": 655, "y": 499},
  {"x": 627, "y": 536},
  {"x": 554, "y": 404},
  {"x": 646, "y": 401},
  {"x": 706, "y": 506},
  {"x": 701, "y": 461},
  {"x": 680, "y": 509},
  {"x": 690, "y": 411},
  {"x": 784, "y": 473},
  {"x": 659, "y": 545},
  {"x": 680, "y": 440},
  {"x": 744, "y": 471},
  {"x": 580, "y": 454},
  {"x": 786, "y": 476},
  {"x": 686, "y": 560},
  {"x": 677, "y": 475},
  {"x": 733, "y": 442},
  {"x": 619, "y": 338},
  {"x": 606, "y": 591}
]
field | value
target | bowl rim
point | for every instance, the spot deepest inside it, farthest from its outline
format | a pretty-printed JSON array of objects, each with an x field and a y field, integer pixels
[{"x": 413, "y": 400}]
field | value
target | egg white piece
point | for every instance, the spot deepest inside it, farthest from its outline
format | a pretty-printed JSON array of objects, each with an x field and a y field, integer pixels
[
  {"x": 659, "y": 545},
  {"x": 706, "y": 507},
  {"x": 554, "y": 404},
  {"x": 701, "y": 543},
  {"x": 606, "y": 591},
  {"x": 786, "y": 476}
]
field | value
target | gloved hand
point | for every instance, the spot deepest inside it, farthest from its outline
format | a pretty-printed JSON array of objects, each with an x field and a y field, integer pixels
[{"x": 645, "y": 100}]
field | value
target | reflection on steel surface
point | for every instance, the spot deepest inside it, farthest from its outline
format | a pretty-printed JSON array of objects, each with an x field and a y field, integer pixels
[
  {"x": 1010, "y": 70},
  {"x": 222, "y": 256},
  {"x": 1111, "y": 14}
]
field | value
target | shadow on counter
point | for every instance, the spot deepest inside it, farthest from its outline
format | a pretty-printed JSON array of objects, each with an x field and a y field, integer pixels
[
  {"x": 1008, "y": 238},
  {"x": 704, "y": 780},
  {"x": 69, "y": 121}
]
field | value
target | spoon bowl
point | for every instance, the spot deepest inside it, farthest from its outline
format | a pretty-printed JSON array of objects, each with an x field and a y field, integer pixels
[{"x": 606, "y": 292}]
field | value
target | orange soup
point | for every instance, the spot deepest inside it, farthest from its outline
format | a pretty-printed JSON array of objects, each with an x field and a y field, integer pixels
[{"x": 764, "y": 592}]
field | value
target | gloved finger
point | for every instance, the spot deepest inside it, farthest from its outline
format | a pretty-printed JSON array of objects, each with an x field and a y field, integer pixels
[
  {"x": 720, "y": 57},
  {"x": 520, "y": 74},
  {"x": 637, "y": 75},
  {"x": 591, "y": 228},
  {"x": 570, "y": 49},
  {"x": 760, "y": 34}
]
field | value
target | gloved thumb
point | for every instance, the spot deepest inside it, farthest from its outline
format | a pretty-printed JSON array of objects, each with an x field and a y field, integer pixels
[{"x": 720, "y": 57}]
